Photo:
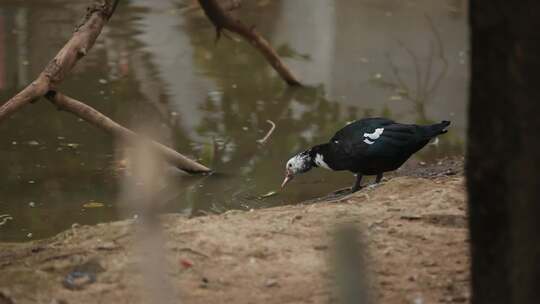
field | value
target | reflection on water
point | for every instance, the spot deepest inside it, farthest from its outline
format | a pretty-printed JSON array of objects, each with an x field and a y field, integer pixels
[{"x": 157, "y": 63}]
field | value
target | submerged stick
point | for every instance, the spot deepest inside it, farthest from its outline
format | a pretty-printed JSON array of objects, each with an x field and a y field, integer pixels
[
  {"x": 265, "y": 138},
  {"x": 103, "y": 122},
  {"x": 77, "y": 46},
  {"x": 222, "y": 20}
]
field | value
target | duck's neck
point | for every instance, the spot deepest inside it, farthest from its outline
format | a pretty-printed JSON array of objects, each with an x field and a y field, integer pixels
[{"x": 318, "y": 154}]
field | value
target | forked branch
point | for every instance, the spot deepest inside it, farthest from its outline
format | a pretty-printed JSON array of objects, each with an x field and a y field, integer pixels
[
  {"x": 54, "y": 73},
  {"x": 56, "y": 70}
]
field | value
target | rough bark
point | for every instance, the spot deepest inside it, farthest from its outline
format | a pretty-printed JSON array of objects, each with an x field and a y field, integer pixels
[
  {"x": 54, "y": 73},
  {"x": 101, "y": 121},
  {"x": 222, "y": 20},
  {"x": 503, "y": 154}
]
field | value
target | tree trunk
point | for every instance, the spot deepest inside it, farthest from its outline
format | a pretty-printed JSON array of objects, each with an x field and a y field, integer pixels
[{"x": 503, "y": 154}]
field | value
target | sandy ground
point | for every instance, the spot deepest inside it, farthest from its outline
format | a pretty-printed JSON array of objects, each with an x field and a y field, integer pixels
[{"x": 413, "y": 228}]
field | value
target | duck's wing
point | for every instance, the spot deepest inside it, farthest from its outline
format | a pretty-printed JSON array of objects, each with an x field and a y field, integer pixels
[
  {"x": 396, "y": 141},
  {"x": 353, "y": 130},
  {"x": 354, "y": 142},
  {"x": 376, "y": 138}
]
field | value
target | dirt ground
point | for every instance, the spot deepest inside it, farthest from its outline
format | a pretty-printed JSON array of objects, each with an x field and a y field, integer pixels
[{"x": 414, "y": 229}]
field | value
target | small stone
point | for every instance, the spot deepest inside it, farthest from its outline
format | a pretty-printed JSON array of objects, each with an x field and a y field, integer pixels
[
  {"x": 29, "y": 235},
  {"x": 320, "y": 247},
  {"x": 102, "y": 81},
  {"x": 271, "y": 283},
  {"x": 32, "y": 204},
  {"x": 410, "y": 217},
  {"x": 204, "y": 283},
  {"x": 107, "y": 246}
]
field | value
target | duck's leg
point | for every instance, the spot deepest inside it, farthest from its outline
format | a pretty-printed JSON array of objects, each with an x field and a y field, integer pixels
[
  {"x": 356, "y": 185},
  {"x": 378, "y": 179}
]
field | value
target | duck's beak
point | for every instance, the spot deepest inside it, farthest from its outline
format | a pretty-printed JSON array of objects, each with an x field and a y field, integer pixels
[{"x": 288, "y": 177}]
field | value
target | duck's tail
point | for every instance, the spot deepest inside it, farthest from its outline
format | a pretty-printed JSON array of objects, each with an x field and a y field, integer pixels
[{"x": 436, "y": 129}]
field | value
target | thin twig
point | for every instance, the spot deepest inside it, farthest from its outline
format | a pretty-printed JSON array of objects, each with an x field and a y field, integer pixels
[
  {"x": 263, "y": 140},
  {"x": 402, "y": 85},
  {"x": 442, "y": 57},
  {"x": 4, "y": 218},
  {"x": 416, "y": 66},
  {"x": 425, "y": 85}
]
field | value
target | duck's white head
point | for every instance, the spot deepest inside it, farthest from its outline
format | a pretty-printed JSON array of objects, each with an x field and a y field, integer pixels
[{"x": 298, "y": 164}]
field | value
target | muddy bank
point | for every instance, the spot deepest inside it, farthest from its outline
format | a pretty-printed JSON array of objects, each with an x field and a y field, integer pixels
[{"x": 415, "y": 231}]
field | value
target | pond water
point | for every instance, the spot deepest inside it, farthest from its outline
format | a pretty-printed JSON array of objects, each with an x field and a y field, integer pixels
[{"x": 157, "y": 62}]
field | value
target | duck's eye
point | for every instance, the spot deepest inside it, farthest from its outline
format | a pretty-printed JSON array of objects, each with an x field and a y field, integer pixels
[{"x": 290, "y": 165}]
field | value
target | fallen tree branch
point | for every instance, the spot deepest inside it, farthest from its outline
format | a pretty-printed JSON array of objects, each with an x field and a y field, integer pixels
[
  {"x": 54, "y": 73},
  {"x": 263, "y": 140},
  {"x": 56, "y": 70},
  {"x": 103, "y": 122},
  {"x": 222, "y": 20}
]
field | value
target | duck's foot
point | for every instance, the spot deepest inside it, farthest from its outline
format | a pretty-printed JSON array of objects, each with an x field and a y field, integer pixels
[
  {"x": 346, "y": 191},
  {"x": 356, "y": 186},
  {"x": 343, "y": 191},
  {"x": 372, "y": 186}
]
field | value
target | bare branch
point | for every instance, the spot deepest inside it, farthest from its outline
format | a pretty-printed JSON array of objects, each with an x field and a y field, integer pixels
[
  {"x": 402, "y": 85},
  {"x": 427, "y": 78},
  {"x": 82, "y": 40},
  {"x": 115, "y": 4},
  {"x": 263, "y": 140},
  {"x": 101, "y": 121},
  {"x": 222, "y": 20},
  {"x": 416, "y": 67},
  {"x": 442, "y": 57}
]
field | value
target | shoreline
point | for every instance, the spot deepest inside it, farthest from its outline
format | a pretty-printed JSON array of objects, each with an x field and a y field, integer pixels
[{"x": 413, "y": 228}]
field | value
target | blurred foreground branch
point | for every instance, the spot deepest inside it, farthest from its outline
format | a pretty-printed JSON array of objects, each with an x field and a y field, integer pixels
[
  {"x": 352, "y": 275},
  {"x": 222, "y": 20}
]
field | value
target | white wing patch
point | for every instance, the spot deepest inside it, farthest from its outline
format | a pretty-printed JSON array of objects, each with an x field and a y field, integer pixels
[
  {"x": 373, "y": 136},
  {"x": 319, "y": 160}
]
